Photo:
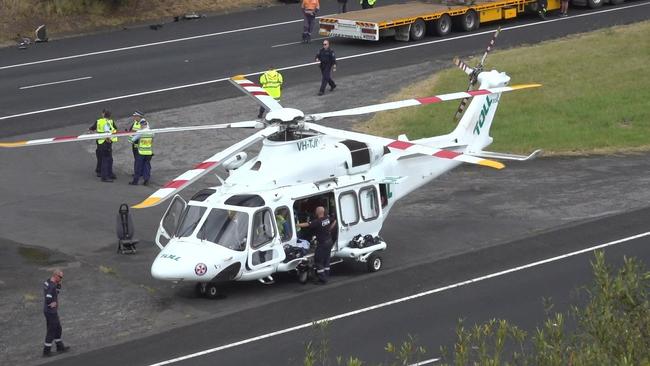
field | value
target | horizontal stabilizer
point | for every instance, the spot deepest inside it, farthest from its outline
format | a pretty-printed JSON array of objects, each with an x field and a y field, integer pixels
[{"x": 504, "y": 156}]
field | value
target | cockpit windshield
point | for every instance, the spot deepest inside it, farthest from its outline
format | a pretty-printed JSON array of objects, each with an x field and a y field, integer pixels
[
  {"x": 190, "y": 219},
  {"x": 227, "y": 228}
]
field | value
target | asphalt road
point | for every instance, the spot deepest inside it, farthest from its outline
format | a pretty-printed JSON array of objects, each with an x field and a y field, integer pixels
[
  {"x": 50, "y": 199},
  {"x": 431, "y": 299},
  {"x": 152, "y": 70}
]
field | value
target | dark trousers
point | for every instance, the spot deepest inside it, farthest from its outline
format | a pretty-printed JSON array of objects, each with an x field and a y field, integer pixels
[
  {"x": 307, "y": 26},
  {"x": 326, "y": 73},
  {"x": 106, "y": 152},
  {"x": 343, "y": 6},
  {"x": 135, "y": 158},
  {"x": 322, "y": 260},
  {"x": 98, "y": 155},
  {"x": 53, "y": 329},
  {"x": 142, "y": 168}
]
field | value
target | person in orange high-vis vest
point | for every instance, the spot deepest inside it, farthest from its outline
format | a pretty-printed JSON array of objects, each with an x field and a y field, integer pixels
[{"x": 309, "y": 10}]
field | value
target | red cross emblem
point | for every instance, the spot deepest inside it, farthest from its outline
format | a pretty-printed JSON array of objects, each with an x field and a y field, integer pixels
[{"x": 200, "y": 269}]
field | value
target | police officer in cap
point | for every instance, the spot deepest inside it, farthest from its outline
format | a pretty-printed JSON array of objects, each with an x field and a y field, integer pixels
[{"x": 51, "y": 289}]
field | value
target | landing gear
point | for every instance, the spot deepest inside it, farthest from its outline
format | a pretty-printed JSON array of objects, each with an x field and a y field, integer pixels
[
  {"x": 374, "y": 263},
  {"x": 208, "y": 290}
]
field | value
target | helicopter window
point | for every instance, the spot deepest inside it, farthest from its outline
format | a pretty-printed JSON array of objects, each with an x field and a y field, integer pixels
[
  {"x": 202, "y": 195},
  {"x": 227, "y": 228},
  {"x": 283, "y": 220},
  {"x": 369, "y": 204},
  {"x": 245, "y": 200},
  {"x": 190, "y": 219},
  {"x": 257, "y": 165},
  {"x": 349, "y": 208},
  {"x": 262, "y": 228}
]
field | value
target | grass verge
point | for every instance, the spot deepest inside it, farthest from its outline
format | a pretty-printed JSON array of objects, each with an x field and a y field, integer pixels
[
  {"x": 594, "y": 98},
  {"x": 82, "y": 16}
]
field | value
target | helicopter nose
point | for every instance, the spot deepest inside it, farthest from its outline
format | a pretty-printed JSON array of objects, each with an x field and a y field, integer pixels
[{"x": 168, "y": 270}]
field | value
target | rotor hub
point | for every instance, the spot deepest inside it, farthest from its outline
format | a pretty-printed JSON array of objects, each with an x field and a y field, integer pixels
[{"x": 285, "y": 116}]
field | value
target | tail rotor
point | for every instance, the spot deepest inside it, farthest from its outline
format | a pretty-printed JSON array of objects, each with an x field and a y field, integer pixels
[{"x": 473, "y": 73}]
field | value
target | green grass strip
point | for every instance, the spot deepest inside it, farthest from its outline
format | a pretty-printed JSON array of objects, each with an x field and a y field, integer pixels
[{"x": 595, "y": 96}]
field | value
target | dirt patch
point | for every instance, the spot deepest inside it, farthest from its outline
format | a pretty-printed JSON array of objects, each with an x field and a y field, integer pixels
[{"x": 70, "y": 17}]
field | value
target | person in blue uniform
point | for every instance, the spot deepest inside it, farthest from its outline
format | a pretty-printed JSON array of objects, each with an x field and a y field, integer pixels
[
  {"x": 51, "y": 289},
  {"x": 327, "y": 59},
  {"x": 322, "y": 227}
]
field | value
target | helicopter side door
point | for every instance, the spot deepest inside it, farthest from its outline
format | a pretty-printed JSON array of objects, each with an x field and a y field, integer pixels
[
  {"x": 359, "y": 212},
  {"x": 170, "y": 220},
  {"x": 265, "y": 246}
]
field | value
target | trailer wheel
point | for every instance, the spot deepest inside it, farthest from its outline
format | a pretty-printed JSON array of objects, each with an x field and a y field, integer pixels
[
  {"x": 418, "y": 30},
  {"x": 593, "y": 4},
  {"x": 374, "y": 263},
  {"x": 441, "y": 26},
  {"x": 469, "y": 21}
]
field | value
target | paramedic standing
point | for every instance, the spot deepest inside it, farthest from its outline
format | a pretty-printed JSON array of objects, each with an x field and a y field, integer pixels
[
  {"x": 145, "y": 152},
  {"x": 135, "y": 126},
  {"x": 309, "y": 10},
  {"x": 322, "y": 228},
  {"x": 271, "y": 81},
  {"x": 51, "y": 289},
  {"x": 327, "y": 59}
]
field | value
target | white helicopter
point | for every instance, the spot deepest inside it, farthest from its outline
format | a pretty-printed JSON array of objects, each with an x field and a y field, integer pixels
[{"x": 245, "y": 229}]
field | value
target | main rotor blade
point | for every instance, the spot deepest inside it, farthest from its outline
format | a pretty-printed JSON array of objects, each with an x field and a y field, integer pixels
[
  {"x": 94, "y": 136},
  {"x": 404, "y": 146},
  {"x": 256, "y": 92},
  {"x": 417, "y": 101},
  {"x": 199, "y": 170}
]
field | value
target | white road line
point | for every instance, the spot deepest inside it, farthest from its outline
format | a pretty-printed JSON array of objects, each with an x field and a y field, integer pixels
[
  {"x": 292, "y": 43},
  {"x": 154, "y": 43},
  {"x": 403, "y": 299},
  {"x": 55, "y": 82},
  {"x": 312, "y": 63}
]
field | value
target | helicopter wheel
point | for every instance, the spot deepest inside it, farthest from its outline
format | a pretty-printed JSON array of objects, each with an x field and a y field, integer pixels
[
  {"x": 200, "y": 289},
  {"x": 303, "y": 276},
  {"x": 374, "y": 263},
  {"x": 212, "y": 291}
]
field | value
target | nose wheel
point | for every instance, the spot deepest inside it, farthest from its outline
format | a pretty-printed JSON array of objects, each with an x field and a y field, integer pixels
[{"x": 208, "y": 290}]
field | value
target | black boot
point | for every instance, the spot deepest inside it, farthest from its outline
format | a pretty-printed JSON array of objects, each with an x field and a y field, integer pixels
[
  {"x": 60, "y": 347},
  {"x": 47, "y": 351}
]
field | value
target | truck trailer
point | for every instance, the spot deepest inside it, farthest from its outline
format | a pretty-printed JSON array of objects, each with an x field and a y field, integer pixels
[{"x": 411, "y": 21}]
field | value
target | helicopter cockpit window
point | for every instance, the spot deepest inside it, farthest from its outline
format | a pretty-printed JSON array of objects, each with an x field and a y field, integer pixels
[
  {"x": 227, "y": 228},
  {"x": 283, "y": 220},
  {"x": 190, "y": 219},
  {"x": 245, "y": 200},
  {"x": 263, "y": 231}
]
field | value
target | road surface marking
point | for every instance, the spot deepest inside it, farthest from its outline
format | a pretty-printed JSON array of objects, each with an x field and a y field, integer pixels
[
  {"x": 311, "y": 63},
  {"x": 299, "y": 42},
  {"x": 155, "y": 43},
  {"x": 400, "y": 300},
  {"x": 425, "y": 362},
  {"x": 55, "y": 82}
]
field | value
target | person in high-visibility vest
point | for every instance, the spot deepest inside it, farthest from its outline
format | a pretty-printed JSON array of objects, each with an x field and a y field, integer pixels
[
  {"x": 104, "y": 151},
  {"x": 367, "y": 4},
  {"x": 309, "y": 10},
  {"x": 145, "y": 152},
  {"x": 135, "y": 126},
  {"x": 272, "y": 82}
]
